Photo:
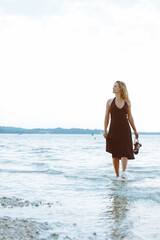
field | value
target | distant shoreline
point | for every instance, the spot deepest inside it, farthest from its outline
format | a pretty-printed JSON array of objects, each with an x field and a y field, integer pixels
[{"x": 16, "y": 130}]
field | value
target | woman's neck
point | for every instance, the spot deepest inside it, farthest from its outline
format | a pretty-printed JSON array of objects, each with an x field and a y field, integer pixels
[{"x": 118, "y": 96}]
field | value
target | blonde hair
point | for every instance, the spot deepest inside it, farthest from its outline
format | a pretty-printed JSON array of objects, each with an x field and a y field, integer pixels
[{"x": 124, "y": 92}]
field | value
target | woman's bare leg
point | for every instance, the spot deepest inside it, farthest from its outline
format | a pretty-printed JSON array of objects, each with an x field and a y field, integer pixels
[
  {"x": 116, "y": 166},
  {"x": 124, "y": 165}
]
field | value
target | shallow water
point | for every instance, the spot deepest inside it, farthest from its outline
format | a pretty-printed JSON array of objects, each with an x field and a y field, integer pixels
[{"x": 74, "y": 174}]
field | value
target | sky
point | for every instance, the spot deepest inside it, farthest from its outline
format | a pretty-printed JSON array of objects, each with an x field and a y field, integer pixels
[{"x": 59, "y": 60}]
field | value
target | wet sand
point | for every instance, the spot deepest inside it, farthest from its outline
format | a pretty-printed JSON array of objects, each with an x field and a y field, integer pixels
[{"x": 15, "y": 228}]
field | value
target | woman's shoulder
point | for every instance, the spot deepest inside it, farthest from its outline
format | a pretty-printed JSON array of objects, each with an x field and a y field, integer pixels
[
  {"x": 129, "y": 103},
  {"x": 109, "y": 102}
]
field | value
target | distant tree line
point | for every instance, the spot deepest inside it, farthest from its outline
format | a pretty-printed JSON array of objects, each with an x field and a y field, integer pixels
[{"x": 15, "y": 130}]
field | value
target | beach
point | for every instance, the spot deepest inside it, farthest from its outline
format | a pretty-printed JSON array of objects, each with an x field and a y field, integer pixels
[{"x": 64, "y": 187}]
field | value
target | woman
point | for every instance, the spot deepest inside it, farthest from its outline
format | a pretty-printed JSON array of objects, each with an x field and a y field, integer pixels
[{"x": 119, "y": 138}]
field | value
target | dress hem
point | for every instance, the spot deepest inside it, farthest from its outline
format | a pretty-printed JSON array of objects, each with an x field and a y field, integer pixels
[{"x": 114, "y": 156}]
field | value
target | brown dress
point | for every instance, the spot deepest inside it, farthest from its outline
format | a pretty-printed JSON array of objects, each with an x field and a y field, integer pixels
[{"x": 119, "y": 138}]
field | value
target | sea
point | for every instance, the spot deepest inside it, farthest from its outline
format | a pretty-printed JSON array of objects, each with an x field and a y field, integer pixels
[{"x": 72, "y": 180}]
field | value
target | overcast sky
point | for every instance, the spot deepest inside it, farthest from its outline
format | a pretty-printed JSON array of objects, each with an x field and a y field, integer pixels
[{"x": 59, "y": 60}]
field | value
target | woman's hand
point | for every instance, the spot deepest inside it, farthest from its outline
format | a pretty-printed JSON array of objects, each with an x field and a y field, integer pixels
[
  {"x": 136, "y": 134},
  {"x": 105, "y": 135}
]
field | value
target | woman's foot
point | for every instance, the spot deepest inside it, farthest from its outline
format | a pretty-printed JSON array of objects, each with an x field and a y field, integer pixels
[{"x": 123, "y": 175}]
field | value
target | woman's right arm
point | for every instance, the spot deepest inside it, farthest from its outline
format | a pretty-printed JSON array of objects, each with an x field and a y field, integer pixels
[{"x": 106, "y": 120}]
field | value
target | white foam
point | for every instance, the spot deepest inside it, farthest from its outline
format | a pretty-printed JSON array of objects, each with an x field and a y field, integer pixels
[{"x": 128, "y": 177}]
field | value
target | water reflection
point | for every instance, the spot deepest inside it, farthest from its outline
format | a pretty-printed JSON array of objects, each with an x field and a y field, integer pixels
[{"x": 117, "y": 213}]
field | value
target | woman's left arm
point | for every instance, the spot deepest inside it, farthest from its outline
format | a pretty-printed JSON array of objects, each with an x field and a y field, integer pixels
[{"x": 131, "y": 121}]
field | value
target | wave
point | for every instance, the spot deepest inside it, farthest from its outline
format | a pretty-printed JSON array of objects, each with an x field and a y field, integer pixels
[
  {"x": 137, "y": 194},
  {"x": 48, "y": 171},
  {"x": 40, "y": 150},
  {"x": 2, "y": 146},
  {"x": 87, "y": 178}
]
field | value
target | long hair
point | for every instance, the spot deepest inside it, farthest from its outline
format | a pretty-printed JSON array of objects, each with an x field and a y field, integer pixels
[{"x": 124, "y": 92}]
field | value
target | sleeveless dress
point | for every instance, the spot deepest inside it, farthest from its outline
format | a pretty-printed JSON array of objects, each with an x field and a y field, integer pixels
[{"x": 119, "y": 138}]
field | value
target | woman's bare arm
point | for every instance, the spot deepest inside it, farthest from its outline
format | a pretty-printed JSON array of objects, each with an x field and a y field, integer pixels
[
  {"x": 131, "y": 121},
  {"x": 106, "y": 120}
]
